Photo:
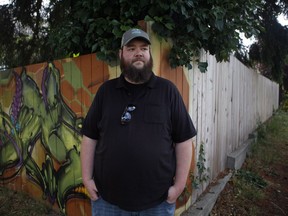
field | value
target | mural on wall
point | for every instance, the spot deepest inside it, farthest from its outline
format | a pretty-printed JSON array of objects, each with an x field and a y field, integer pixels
[{"x": 41, "y": 115}]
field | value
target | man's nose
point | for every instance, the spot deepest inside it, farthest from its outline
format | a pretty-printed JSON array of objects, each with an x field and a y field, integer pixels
[{"x": 138, "y": 53}]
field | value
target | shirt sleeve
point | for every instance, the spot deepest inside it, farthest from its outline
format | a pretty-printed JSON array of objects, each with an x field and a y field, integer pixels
[
  {"x": 182, "y": 125},
  {"x": 90, "y": 123}
]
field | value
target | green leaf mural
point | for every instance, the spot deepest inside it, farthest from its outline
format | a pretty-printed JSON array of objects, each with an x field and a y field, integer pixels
[{"x": 41, "y": 115}]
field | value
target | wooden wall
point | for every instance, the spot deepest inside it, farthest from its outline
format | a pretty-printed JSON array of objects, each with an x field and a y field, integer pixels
[
  {"x": 227, "y": 103},
  {"x": 42, "y": 107}
]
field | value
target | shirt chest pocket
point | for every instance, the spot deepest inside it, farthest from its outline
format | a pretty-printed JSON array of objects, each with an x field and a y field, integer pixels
[{"x": 155, "y": 113}]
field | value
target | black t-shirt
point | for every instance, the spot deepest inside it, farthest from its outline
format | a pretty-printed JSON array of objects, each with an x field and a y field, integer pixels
[{"x": 135, "y": 162}]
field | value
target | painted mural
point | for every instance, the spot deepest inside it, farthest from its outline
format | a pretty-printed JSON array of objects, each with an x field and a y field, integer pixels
[
  {"x": 41, "y": 112},
  {"x": 40, "y": 116}
]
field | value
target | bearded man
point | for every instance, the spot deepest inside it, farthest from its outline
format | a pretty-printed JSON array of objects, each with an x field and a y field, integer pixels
[{"x": 136, "y": 148}]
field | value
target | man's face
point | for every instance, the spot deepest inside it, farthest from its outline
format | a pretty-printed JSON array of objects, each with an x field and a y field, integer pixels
[{"x": 136, "y": 62}]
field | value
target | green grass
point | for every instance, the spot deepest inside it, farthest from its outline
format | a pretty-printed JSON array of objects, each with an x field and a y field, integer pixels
[
  {"x": 271, "y": 137},
  {"x": 249, "y": 188}
]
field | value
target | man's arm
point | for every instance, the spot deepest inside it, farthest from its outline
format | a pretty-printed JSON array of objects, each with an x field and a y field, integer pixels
[
  {"x": 183, "y": 161},
  {"x": 87, "y": 164}
]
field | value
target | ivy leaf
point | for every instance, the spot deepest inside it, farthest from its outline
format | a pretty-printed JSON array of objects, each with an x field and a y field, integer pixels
[
  {"x": 190, "y": 28},
  {"x": 184, "y": 11},
  {"x": 76, "y": 39},
  {"x": 100, "y": 56},
  {"x": 219, "y": 14},
  {"x": 203, "y": 66},
  {"x": 219, "y": 24},
  {"x": 169, "y": 26},
  {"x": 94, "y": 47},
  {"x": 189, "y": 66},
  {"x": 148, "y": 18},
  {"x": 202, "y": 27}
]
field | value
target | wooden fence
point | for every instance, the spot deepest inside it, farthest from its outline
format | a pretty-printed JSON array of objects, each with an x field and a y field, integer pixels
[
  {"x": 227, "y": 103},
  {"x": 42, "y": 107}
]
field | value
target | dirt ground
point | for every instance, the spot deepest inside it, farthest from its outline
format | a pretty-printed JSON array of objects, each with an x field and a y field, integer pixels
[
  {"x": 13, "y": 203},
  {"x": 261, "y": 188}
]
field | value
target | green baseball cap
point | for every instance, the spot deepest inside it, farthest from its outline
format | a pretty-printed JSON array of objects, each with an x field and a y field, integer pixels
[{"x": 134, "y": 33}]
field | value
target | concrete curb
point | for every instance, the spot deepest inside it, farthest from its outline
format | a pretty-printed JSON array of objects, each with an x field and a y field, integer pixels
[{"x": 204, "y": 205}]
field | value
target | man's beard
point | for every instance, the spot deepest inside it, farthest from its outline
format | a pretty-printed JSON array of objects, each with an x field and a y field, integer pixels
[{"x": 134, "y": 74}]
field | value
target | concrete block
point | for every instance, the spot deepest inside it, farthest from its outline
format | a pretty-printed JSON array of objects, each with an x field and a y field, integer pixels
[
  {"x": 204, "y": 205},
  {"x": 236, "y": 159}
]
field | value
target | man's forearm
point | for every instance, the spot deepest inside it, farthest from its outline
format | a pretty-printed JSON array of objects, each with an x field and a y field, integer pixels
[
  {"x": 183, "y": 162},
  {"x": 87, "y": 157}
]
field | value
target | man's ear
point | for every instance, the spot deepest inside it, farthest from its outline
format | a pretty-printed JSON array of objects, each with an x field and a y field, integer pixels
[{"x": 119, "y": 53}]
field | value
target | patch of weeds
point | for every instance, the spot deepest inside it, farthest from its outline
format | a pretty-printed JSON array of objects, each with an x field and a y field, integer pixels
[
  {"x": 261, "y": 131},
  {"x": 251, "y": 178},
  {"x": 284, "y": 105},
  {"x": 248, "y": 190},
  {"x": 259, "y": 187}
]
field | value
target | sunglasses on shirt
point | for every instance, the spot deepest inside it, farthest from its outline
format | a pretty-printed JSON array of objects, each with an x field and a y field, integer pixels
[{"x": 127, "y": 114}]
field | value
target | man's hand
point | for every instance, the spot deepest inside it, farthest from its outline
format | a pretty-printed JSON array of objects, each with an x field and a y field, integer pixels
[
  {"x": 92, "y": 189},
  {"x": 173, "y": 194}
]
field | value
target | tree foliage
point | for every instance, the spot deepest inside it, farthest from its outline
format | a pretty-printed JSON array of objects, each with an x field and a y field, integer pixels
[
  {"x": 271, "y": 48},
  {"x": 190, "y": 25},
  {"x": 35, "y": 32},
  {"x": 23, "y": 35}
]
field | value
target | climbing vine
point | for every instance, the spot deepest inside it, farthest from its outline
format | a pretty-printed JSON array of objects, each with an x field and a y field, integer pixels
[{"x": 202, "y": 175}]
